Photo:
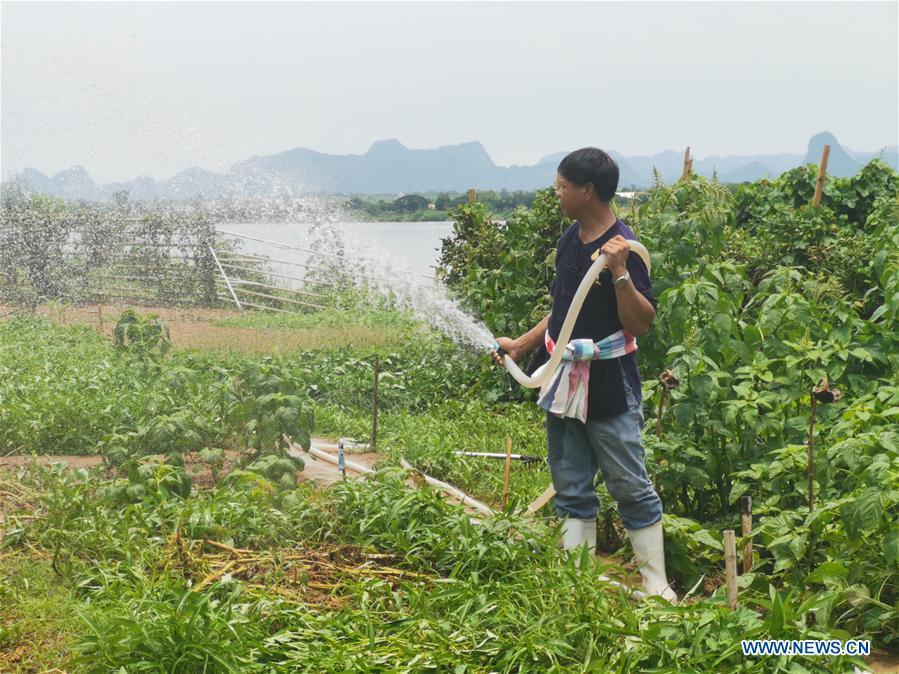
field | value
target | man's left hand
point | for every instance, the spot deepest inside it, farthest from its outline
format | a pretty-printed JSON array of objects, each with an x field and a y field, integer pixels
[{"x": 616, "y": 251}]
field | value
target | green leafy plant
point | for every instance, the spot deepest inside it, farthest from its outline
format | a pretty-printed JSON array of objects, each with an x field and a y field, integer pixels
[{"x": 141, "y": 335}]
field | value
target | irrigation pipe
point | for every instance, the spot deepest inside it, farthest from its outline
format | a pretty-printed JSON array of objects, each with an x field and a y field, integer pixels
[
  {"x": 546, "y": 372},
  {"x": 457, "y": 494},
  {"x": 330, "y": 458}
]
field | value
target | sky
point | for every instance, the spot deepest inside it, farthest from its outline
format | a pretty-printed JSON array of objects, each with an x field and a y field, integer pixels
[{"x": 128, "y": 89}]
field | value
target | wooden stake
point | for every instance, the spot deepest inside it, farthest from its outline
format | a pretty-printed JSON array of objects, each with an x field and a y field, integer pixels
[
  {"x": 730, "y": 567},
  {"x": 811, "y": 456},
  {"x": 658, "y": 484},
  {"x": 686, "y": 173},
  {"x": 100, "y": 317},
  {"x": 374, "y": 406},
  {"x": 508, "y": 470},
  {"x": 472, "y": 195},
  {"x": 822, "y": 172},
  {"x": 659, "y": 414},
  {"x": 746, "y": 530},
  {"x": 668, "y": 382},
  {"x": 541, "y": 500}
]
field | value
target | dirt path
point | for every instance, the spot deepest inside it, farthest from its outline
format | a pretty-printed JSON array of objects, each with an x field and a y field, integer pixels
[
  {"x": 324, "y": 472},
  {"x": 45, "y": 460},
  {"x": 883, "y": 664}
]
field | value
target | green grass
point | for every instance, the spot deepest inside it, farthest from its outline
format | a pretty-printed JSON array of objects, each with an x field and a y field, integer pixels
[
  {"x": 499, "y": 596},
  {"x": 37, "y": 614},
  {"x": 429, "y": 439},
  {"x": 128, "y": 545}
]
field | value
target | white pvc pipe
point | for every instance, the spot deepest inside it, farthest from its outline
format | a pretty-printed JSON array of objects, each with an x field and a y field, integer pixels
[
  {"x": 330, "y": 458},
  {"x": 449, "y": 489},
  {"x": 225, "y": 276},
  {"x": 546, "y": 372}
]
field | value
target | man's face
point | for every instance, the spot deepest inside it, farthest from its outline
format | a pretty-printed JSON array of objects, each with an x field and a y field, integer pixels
[{"x": 572, "y": 198}]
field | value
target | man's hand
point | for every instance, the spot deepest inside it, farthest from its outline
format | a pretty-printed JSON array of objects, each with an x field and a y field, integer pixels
[
  {"x": 616, "y": 251},
  {"x": 509, "y": 346}
]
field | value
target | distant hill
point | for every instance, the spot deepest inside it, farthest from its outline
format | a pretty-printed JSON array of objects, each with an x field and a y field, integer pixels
[
  {"x": 389, "y": 167},
  {"x": 839, "y": 162}
]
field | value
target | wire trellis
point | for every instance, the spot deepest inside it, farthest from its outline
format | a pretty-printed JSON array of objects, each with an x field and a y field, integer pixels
[{"x": 87, "y": 255}]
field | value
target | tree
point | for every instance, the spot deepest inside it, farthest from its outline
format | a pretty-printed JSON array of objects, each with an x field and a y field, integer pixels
[{"x": 409, "y": 203}]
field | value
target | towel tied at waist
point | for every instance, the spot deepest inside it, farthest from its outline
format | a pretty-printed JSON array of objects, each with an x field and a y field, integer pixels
[{"x": 565, "y": 394}]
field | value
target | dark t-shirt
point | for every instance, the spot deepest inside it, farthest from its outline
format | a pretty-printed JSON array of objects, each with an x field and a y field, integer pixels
[{"x": 599, "y": 315}]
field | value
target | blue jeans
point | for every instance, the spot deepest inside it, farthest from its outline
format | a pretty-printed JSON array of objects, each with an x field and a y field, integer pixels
[{"x": 614, "y": 446}]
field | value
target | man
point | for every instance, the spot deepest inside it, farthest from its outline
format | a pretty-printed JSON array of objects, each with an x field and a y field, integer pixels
[{"x": 594, "y": 416}]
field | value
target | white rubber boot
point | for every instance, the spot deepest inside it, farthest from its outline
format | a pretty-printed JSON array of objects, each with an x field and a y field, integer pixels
[
  {"x": 649, "y": 549},
  {"x": 576, "y": 532}
]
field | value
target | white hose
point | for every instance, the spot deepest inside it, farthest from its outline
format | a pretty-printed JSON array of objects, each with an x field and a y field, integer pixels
[{"x": 547, "y": 371}]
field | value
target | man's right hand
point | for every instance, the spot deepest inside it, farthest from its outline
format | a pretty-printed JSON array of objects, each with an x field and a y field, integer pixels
[{"x": 509, "y": 346}]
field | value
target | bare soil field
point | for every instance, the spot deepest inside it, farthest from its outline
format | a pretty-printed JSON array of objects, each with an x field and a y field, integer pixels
[{"x": 196, "y": 328}]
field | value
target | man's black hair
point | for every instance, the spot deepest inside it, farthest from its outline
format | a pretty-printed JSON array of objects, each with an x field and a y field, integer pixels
[{"x": 591, "y": 165}]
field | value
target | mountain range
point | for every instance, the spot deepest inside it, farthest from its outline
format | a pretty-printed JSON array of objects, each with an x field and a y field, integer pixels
[{"x": 389, "y": 167}]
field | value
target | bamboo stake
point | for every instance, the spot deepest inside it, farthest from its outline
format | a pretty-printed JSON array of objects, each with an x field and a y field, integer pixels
[
  {"x": 746, "y": 530},
  {"x": 659, "y": 413},
  {"x": 668, "y": 381},
  {"x": 822, "y": 393},
  {"x": 810, "y": 469},
  {"x": 686, "y": 173},
  {"x": 822, "y": 172},
  {"x": 730, "y": 567},
  {"x": 508, "y": 471},
  {"x": 374, "y": 406}
]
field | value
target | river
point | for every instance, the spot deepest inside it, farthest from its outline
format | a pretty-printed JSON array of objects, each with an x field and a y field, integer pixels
[{"x": 413, "y": 245}]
